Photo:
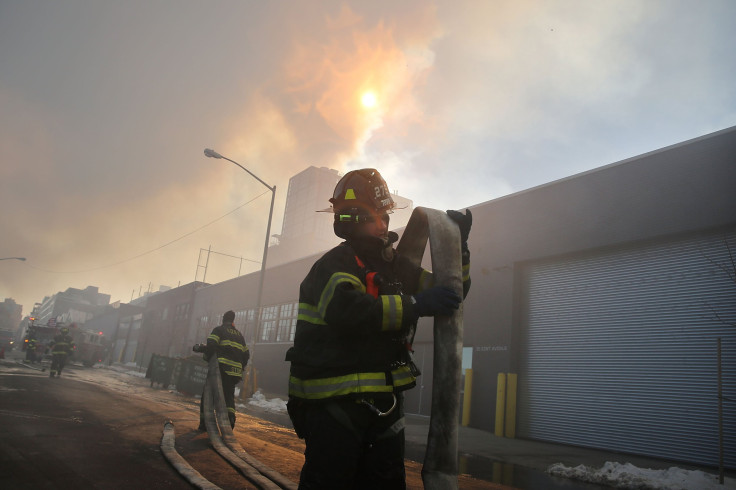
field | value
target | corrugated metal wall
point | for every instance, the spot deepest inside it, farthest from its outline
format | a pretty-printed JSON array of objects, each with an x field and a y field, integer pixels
[{"x": 620, "y": 350}]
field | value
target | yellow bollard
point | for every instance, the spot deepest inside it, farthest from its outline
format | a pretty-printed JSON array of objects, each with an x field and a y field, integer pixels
[
  {"x": 511, "y": 405},
  {"x": 467, "y": 397},
  {"x": 500, "y": 404}
]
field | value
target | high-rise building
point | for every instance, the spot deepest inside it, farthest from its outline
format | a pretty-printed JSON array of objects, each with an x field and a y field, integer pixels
[{"x": 10, "y": 314}]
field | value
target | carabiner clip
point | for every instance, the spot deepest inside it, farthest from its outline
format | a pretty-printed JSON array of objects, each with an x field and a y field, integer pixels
[{"x": 376, "y": 410}]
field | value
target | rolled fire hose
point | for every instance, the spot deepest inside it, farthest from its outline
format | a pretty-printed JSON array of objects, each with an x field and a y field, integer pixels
[
  {"x": 440, "y": 468},
  {"x": 219, "y": 430}
]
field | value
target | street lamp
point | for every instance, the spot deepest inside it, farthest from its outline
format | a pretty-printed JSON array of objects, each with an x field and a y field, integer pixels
[
  {"x": 213, "y": 154},
  {"x": 14, "y": 258}
]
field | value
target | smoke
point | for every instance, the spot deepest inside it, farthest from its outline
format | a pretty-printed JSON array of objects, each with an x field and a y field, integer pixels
[{"x": 106, "y": 108}]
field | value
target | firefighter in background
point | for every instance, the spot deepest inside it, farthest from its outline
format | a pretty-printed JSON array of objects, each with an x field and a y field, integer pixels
[
  {"x": 350, "y": 361},
  {"x": 61, "y": 347},
  {"x": 228, "y": 344},
  {"x": 31, "y": 347}
]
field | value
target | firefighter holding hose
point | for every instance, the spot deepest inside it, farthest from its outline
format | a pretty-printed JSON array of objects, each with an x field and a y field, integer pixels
[
  {"x": 350, "y": 361},
  {"x": 228, "y": 345}
]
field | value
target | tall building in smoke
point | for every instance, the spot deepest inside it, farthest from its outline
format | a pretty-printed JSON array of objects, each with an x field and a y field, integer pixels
[
  {"x": 305, "y": 230},
  {"x": 72, "y": 305},
  {"x": 10, "y": 314}
]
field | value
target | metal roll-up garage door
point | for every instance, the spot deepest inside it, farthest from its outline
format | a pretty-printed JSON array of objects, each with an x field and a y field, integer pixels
[{"x": 620, "y": 350}]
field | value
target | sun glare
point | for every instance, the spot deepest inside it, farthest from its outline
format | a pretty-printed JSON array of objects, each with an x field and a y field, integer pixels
[{"x": 368, "y": 100}]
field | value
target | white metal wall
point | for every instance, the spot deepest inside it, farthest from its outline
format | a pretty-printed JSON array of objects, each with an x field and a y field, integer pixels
[{"x": 620, "y": 350}]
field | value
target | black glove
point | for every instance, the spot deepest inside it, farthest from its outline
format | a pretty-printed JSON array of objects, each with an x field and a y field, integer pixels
[
  {"x": 439, "y": 300},
  {"x": 464, "y": 222}
]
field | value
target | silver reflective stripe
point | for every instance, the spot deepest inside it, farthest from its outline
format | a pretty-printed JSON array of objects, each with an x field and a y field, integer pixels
[
  {"x": 426, "y": 280},
  {"x": 402, "y": 376},
  {"x": 329, "y": 291},
  {"x": 309, "y": 313},
  {"x": 392, "y": 312}
]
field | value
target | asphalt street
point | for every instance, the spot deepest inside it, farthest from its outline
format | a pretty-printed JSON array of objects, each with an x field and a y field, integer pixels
[{"x": 101, "y": 429}]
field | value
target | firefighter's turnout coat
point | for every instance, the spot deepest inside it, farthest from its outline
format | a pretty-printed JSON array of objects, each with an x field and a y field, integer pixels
[
  {"x": 355, "y": 310},
  {"x": 62, "y": 345},
  {"x": 228, "y": 344}
]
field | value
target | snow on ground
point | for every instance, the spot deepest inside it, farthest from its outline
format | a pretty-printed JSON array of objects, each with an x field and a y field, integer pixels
[
  {"x": 273, "y": 405},
  {"x": 629, "y": 476}
]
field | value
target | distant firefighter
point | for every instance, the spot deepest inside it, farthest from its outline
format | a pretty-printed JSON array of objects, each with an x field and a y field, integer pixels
[
  {"x": 228, "y": 345},
  {"x": 31, "y": 346},
  {"x": 61, "y": 347}
]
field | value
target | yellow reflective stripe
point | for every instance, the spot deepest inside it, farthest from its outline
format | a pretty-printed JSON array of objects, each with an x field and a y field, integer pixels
[
  {"x": 426, "y": 280},
  {"x": 237, "y": 345},
  {"x": 317, "y": 389},
  {"x": 229, "y": 362},
  {"x": 309, "y": 313},
  {"x": 357, "y": 383},
  {"x": 329, "y": 291},
  {"x": 214, "y": 337},
  {"x": 393, "y": 312},
  {"x": 466, "y": 272},
  {"x": 402, "y": 376}
]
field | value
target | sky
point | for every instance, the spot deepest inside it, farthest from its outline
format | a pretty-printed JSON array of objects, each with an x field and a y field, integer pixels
[{"x": 106, "y": 108}]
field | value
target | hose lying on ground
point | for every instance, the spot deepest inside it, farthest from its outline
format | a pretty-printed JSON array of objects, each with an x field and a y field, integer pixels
[
  {"x": 179, "y": 463},
  {"x": 217, "y": 422},
  {"x": 215, "y": 414},
  {"x": 440, "y": 461}
]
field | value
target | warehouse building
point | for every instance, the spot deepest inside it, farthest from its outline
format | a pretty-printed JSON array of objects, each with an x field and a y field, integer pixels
[{"x": 598, "y": 305}]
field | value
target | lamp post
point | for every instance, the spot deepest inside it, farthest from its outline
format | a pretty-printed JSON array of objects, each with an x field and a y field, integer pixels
[
  {"x": 213, "y": 154},
  {"x": 14, "y": 258}
]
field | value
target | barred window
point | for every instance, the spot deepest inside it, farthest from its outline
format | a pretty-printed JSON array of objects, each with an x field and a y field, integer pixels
[
  {"x": 286, "y": 330},
  {"x": 279, "y": 323}
]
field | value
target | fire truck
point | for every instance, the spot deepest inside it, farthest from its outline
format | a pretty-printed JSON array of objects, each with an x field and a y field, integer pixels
[{"x": 90, "y": 347}]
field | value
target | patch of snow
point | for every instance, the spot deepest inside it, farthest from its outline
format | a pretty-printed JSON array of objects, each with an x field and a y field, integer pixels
[
  {"x": 274, "y": 404},
  {"x": 628, "y": 476},
  {"x": 126, "y": 370}
]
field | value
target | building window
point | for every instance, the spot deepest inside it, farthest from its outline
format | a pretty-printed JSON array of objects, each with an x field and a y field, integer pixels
[
  {"x": 245, "y": 321},
  {"x": 279, "y": 323},
  {"x": 286, "y": 330},
  {"x": 268, "y": 322}
]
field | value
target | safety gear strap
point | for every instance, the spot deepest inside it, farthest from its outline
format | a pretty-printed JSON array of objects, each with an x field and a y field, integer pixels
[{"x": 370, "y": 279}]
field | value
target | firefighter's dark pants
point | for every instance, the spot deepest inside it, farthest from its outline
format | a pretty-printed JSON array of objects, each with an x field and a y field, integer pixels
[
  {"x": 58, "y": 360},
  {"x": 228, "y": 389},
  {"x": 351, "y": 447}
]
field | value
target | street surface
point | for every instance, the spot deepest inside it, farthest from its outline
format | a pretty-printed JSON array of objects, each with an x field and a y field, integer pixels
[{"x": 98, "y": 428}]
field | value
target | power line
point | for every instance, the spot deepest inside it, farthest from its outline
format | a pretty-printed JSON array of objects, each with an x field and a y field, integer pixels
[{"x": 152, "y": 250}]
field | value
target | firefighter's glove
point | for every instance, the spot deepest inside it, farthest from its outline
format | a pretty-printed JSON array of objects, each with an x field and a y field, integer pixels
[
  {"x": 439, "y": 300},
  {"x": 464, "y": 222}
]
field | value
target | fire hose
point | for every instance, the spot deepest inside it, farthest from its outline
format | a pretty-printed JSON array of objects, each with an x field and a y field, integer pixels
[
  {"x": 440, "y": 468},
  {"x": 224, "y": 441}
]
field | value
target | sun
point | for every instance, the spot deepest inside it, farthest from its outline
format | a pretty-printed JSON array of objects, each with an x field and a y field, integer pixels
[{"x": 368, "y": 100}]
